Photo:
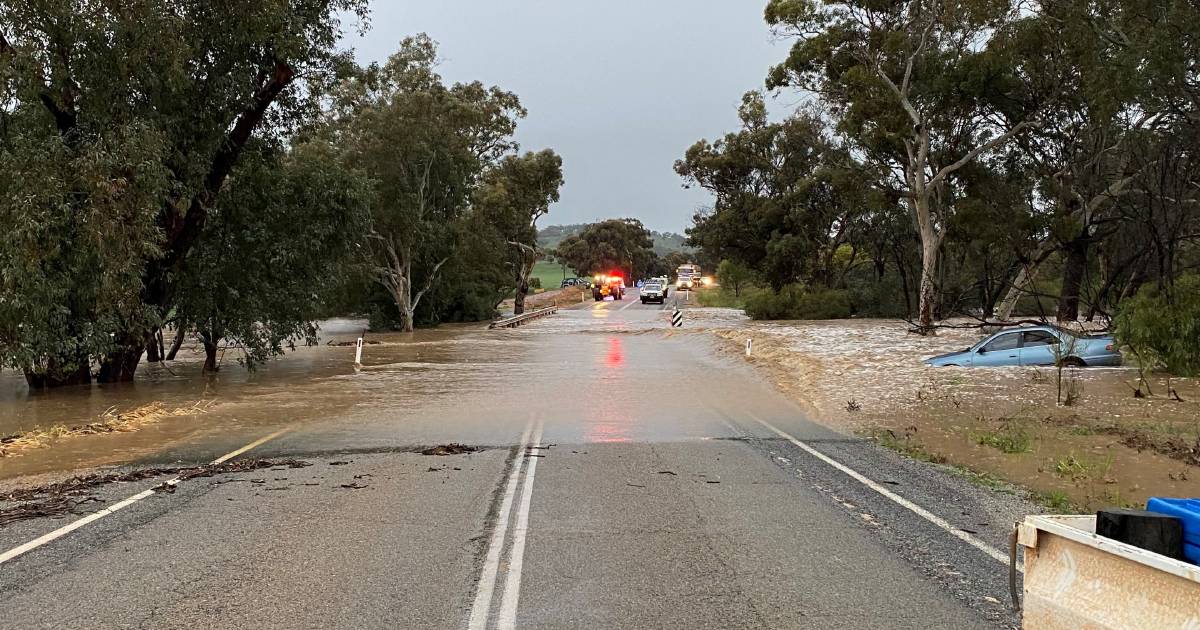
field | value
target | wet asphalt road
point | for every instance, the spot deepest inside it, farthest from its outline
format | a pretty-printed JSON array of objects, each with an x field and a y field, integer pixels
[{"x": 629, "y": 477}]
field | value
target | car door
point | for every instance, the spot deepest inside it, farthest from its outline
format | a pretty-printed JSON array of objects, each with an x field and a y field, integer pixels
[
  {"x": 1003, "y": 349},
  {"x": 1039, "y": 347}
]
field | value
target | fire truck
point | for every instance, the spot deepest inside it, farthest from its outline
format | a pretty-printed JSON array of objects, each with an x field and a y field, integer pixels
[{"x": 608, "y": 285}]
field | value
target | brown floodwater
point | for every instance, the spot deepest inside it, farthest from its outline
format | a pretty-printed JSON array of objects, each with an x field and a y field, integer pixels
[
  {"x": 866, "y": 376},
  {"x": 308, "y": 384},
  {"x": 596, "y": 372}
]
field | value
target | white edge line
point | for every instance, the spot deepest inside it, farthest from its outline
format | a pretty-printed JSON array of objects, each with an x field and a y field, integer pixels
[
  {"x": 491, "y": 565},
  {"x": 95, "y": 516},
  {"x": 516, "y": 559},
  {"x": 994, "y": 553}
]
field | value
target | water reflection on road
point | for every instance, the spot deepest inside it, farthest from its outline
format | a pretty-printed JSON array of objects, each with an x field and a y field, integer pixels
[{"x": 605, "y": 366}]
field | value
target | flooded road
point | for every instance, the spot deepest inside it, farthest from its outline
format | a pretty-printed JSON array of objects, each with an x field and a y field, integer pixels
[{"x": 618, "y": 473}]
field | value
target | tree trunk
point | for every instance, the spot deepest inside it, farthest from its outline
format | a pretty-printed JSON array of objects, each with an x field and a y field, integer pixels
[
  {"x": 1072, "y": 280},
  {"x": 180, "y": 333},
  {"x": 120, "y": 365},
  {"x": 519, "y": 300},
  {"x": 55, "y": 376},
  {"x": 1025, "y": 277},
  {"x": 210, "y": 352},
  {"x": 931, "y": 243},
  {"x": 929, "y": 292},
  {"x": 154, "y": 351},
  {"x": 523, "y": 274}
]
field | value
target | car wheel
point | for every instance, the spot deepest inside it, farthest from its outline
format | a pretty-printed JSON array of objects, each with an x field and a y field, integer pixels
[{"x": 1073, "y": 362}]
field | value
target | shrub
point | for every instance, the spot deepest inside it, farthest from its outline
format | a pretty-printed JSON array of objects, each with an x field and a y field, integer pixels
[
  {"x": 1164, "y": 329},
  {"x": 794, "y": 302},
  {"x": 535, "y": 282}
]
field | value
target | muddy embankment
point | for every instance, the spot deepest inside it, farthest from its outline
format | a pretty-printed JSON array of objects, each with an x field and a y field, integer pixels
[{"x": 1107, "y": 447}]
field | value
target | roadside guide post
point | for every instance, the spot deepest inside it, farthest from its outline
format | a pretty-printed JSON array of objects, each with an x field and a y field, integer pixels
[
  {"x": 358, "y": 352},
  {"x": 749, "y": 346},
  {"x": 677, "y": 318}
]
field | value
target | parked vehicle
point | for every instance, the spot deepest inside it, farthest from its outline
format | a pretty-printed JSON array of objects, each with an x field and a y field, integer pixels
[
  {"x": 1034, "y": 345},
  {"x": 688, "y": 277},
  {"x": 569, "y": 282},
  {"x": 653, "y": 291},
  {"x": 609, "y": 286}
]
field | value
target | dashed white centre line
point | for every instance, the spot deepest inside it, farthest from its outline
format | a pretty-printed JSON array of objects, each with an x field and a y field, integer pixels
[
  {"x": 992, "y": 552},
  {"x": 95, "y": 516}
]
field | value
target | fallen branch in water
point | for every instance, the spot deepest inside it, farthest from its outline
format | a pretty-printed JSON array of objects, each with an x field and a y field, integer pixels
[{"x": 111, "y": 421}]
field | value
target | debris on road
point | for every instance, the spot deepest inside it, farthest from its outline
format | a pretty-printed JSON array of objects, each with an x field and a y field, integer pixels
[
  {"x": 64, "y": 497},
  {"x": 449, "y": 449},
  {"x": 338, "y": 463},
  {"x": 353, "y": 486},
  {"x": 667, "y": 472}
]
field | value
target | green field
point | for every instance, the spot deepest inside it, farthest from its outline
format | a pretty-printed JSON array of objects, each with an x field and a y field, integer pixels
[{"x": 550, "y": 273}]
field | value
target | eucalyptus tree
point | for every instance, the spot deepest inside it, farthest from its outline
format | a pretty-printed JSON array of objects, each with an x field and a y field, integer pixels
[
  {"x": 425, "y": 144},
  {"x": 613, "y": 245},
  {"x": 513, "y": 195},
  {"x": 907, "y": 82},
  {"x": 133, "y": 114},
  {"x": 786, "y": 195},
  {"x": 284, "y": 228},
  {"x": 1104, "y": 84}
]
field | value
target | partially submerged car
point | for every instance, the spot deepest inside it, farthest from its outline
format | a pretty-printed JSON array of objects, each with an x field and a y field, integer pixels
[{"x": 1034, "y": 345}]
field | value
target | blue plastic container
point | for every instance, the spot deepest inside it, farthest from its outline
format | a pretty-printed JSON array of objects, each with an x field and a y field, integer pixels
[{"x": 1188, "y": 511}]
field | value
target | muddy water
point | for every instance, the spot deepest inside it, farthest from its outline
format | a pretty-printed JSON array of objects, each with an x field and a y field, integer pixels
[
  {"x": 597, "y": 372},
  {"x": 309, "y": 384},
  {"x": 866, "y": 376}
]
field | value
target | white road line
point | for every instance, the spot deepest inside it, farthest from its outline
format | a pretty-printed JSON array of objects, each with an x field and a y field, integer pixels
[
  {"x": 255, "y": 444},
  {"x": 95, "y": 516},
  {"x": 491, "y": 564},
  {"x": 516, "y": 560},
  {"x": 631, "y": 303},
  {"x": 994, "y": 553}
]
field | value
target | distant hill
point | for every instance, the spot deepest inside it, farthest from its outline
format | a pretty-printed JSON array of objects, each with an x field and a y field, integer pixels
[{"x": 664, "y": 242}]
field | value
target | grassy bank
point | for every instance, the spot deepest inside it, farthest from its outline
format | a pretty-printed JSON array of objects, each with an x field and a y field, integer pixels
[{"x": 721, "y": 297}]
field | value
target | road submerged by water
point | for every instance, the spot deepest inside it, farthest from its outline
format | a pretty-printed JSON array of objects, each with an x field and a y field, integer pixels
[{"x": 627, "y": 476}]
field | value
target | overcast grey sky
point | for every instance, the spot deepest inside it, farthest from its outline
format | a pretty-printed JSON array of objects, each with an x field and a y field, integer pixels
[{"x": 620, "y": 89}]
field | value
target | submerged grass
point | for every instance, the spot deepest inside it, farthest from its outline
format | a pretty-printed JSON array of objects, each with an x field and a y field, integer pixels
[
  {"x": 1007, "y": 439},
  {"x": 111, "y": 421}
]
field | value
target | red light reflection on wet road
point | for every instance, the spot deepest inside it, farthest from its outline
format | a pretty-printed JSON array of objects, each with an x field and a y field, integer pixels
[{"x": 616, "y": 355}]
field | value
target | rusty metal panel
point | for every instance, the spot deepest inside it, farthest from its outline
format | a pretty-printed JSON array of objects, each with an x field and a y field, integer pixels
[{"x": 1073, "y": 584}]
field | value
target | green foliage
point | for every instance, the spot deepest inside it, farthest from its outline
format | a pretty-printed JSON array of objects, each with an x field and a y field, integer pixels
[
  {"x": 786, "y": 195},
  {"x": 426, "y": 145},
  {"x": 118, "y": 130},
  {"x": 622, "y": 245},
  {"x": 284, "y": 228},
  {"x": 794, "y": 301},
  {"x": 1163, "y": 327},
  {"x": 511, "y": 198},
  {"x": 733, "y": 276}
]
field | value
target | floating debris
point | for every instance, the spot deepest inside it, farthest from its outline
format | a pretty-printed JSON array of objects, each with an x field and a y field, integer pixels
[{"x": 111, "y": 421}]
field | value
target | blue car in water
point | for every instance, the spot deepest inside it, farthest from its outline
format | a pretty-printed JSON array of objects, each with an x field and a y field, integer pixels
[{"x": 1034, "y": 345}]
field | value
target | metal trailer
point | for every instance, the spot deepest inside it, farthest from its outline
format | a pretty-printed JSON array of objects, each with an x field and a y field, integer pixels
[{"x": 1077, "y": 579}]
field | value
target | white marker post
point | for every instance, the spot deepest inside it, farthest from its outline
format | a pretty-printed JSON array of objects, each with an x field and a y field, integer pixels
[
  {"x": 358, "y": 353},
  {"x": 749, "y": 346}
]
